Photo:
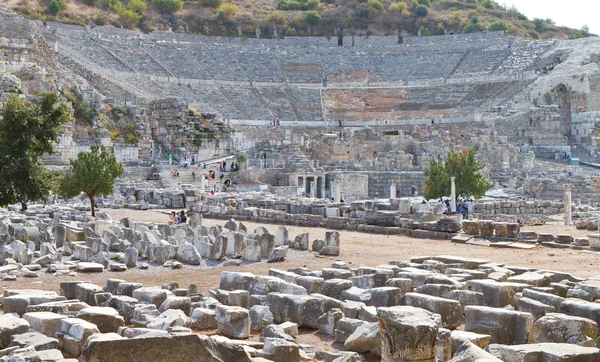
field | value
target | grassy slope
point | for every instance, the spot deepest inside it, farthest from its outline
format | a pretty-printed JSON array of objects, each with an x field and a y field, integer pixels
[{"x": 453, "y": 14}]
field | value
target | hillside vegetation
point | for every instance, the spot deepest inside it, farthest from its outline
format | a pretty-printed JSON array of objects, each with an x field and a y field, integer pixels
[{"x": 270, "y": 18}]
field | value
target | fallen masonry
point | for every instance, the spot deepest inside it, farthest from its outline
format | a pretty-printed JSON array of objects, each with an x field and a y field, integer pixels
[{"x": 430, "y": 308}]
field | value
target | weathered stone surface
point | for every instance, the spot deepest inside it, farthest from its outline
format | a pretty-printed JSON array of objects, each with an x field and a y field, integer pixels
[
  {"x": 260, "y": 317},
  {"x": 233, "y": 322},
  {"x": 365, "y": 338},
  {"x": 47, "y": 323},
  {"x": 559, "y": 352},
  {"x": 35, "y": 340},
  {"x": 187, "y": 348},
  {"x": 9, "y": 326},
  {"x": 169, "y": 318},
  {"x": 450, "y": 310},
  {"x": 397, "y": 322},
  {"x": 203, "y": 318},
  {"x": 461, "y": 337},
  {"x": 468, "y": 352},
  {"x": 560, "y": 328},
  {"x": 504, "y": 326},
  {"x": 280, "y": 350}
]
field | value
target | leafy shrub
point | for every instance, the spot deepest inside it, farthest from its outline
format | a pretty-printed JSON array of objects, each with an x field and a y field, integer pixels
[
  {"x": 211, "y": 3},
  {"x": 498, "y": 26},
  {"x": 312, "y": 17},
  {"x": 362, "y": 12},
  {"x": 137, "y": 6},
  {"x": 375, "y": 7},
  {"x": 99, "y": 20},
  {"x": 289, "y": 31},
  {"x": 276, "y": 18},
  {"x": 473, "y": 27},
  {"x": 227, "y": 10},
  {"x": 168, "y": 6},
  {"x": 440, "y": 30},
  {"x": 425, "y": 2},
  {"x": 474, "y": 2},
  {"x": 488, "y": 4},
  {"x": 297, "y": 4},
  {"x": 53, "y": 7},
  {"x": 421, "y": 11}
]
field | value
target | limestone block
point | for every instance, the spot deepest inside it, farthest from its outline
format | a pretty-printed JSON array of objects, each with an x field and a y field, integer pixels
[
  {"x": 486, "y": 228},
  {"x": 444, "y": 353},
  {"x": 504, "y": 326},
  {"x": 365, "y": 338},
  {"x": 203, "y": 318},
  {"x": 559, "y": 352},
  {"x": 301, "y": 242},
  {"x": 10, "y": 326},
  {"x": 169, "y": 318},
  {"x": 184, "y": 304},
  {"x": 151, "y": 295},
  {"x": 468, "y": 352},
  {"x": 252, "y": 250},
  {"x": 334, "y": 287},
  {"x": 34, "y": 340},
  {"x": 345, "y": 327},
  {"x": 301, "y": 309},
  {"x": 536, "y": 308},
  {"x": 560, "y": 328},
  {"x": 233, "y": 322},
  {"x": 47, "y": 323},
  {"x": 449, "y": 310},
  {"x": 260, "y": 317},
  {"x": 105, "y": 318},
  {"x": 278, "y": 254},
  {"x": 580, "y": 308},
  {"x": 460, "y": 337},
  {"x": 512, "y": 230},
  {"x": 280, "y": 350},
  {"x": 311, "y": 284}
]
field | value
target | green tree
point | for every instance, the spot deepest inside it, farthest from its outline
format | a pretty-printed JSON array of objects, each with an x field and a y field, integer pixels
[
  {"x": 421, "y": 11},
  {"x": 312, "y": 17},
  {"x": 425, "y": 2},
  {"x": 92, "y": 173},
  {"x": 54, "y": 7},
  {"x": 463, "y": 165},
  {"x": 276, "y": 18},
  {"x": 241, "y": 158},
  {"x": 137, "y": 6},
  {"x": 168, "y": 6},
  {"x": 375, "y": 5},
  {"x": 27, "y": 132},
  {"x": 498, "y": 26}
]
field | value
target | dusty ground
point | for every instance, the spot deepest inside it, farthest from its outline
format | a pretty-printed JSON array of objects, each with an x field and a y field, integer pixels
[{"x": 356, "y": 249}]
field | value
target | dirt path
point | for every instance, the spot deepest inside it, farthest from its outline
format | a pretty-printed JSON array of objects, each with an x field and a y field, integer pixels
[{"x": 356, "y": 249}]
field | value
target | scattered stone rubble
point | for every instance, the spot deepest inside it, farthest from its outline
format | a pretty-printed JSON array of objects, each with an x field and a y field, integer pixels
[
  {"x": 64, "y": 241},
  {"x": 431, "y": 308}
]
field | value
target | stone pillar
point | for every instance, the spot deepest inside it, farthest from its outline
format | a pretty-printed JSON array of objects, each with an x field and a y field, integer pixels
[
  {"x": 452, "y": 194},
  {"x": 202, "y": 182},
  {"x": 322, "y": 187},
  {"x": 304, "y": 183},
  {"x": 392, "y": 189},
  {"x": 568, "y": 188},
  {"x": 408, "y": 334},
  {"x": 313, "y": 189},
  {"x": 336, "y": 191}
]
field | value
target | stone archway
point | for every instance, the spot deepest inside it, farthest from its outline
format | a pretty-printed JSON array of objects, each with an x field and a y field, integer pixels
[{"x": 561, "y": 96}]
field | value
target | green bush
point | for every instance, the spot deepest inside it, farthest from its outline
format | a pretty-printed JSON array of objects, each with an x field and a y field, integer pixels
[
  {"x": 312, "y": 17},
  {"x": 421, "y": 11},
  {"x": 375, "y": 5},
  {"x": 99, "y": 20},
  {"x": 488, "y": 4},
  {"x": 137, "y": 6},
  {"x": 168, "y": 6},
  {"x": 440, "y": 30},
  {"x": 276, "y": 18},
  {"x": 475, "y": 2},
  {"x": 211, "y": 3},
  {"x": 289, "y": 31},
  {"x": 473, "y": 27},
  {"x": 227, "y": 10},
  {"x": 297, "y": 4},
  {"x": 498, "y": 26},
  {"x": 425, "y": 2},
  {"x": 89, "y": 2},
  {"x": 362, "y": 12},
  {"x": 53, "y": 7}
]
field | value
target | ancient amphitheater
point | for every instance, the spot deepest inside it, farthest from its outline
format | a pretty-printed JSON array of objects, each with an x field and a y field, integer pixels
[{"x": 318, "y": 249}]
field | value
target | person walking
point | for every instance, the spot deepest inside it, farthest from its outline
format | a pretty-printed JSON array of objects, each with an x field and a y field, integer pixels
[
  {"x": 193, "y": 176},
  {"x": 170, "y": 159}
]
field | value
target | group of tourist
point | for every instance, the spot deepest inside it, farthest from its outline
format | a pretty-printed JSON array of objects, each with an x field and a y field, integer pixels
[
  {"x": 234, "y": 166},
  {"x": 177, "y": 219},
  {"x": 187, "y": 161},
  {"x": 275, "y": 122},
  {"x": 463, "y": 206}
]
